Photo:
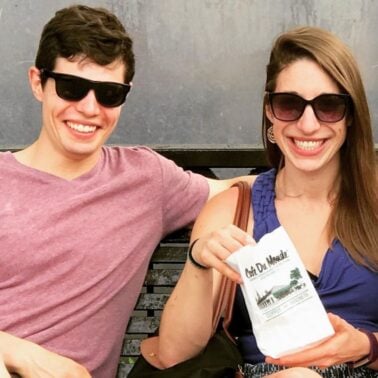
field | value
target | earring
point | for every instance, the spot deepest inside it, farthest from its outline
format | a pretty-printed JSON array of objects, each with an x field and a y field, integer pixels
[{"x": 270, "y": 135}]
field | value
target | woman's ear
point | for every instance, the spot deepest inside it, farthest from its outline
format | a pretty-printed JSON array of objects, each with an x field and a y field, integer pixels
[
  {"x": 269, "y": 113},
  {"x": 35, "y": 82}
]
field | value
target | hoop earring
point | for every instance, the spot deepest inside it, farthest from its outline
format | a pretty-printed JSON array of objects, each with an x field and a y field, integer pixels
[{"x": 270, "y": 135}]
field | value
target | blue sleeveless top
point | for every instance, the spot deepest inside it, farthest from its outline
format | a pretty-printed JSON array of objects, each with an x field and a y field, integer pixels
[{"x": 345, "y": 288}]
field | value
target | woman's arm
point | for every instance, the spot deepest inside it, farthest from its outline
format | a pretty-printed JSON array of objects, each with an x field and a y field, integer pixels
[
  {"x": 216, "y": 186},
  {"x": 186, "y": 322}
]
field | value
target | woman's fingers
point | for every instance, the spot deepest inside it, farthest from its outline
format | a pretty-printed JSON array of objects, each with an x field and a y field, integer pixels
[{"x": 212, "y": 250}]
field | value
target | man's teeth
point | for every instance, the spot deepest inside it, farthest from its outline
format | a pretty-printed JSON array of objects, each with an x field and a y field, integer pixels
[
  {"x": 308, "y": 144},
  {"x": 81, "y": 128}
]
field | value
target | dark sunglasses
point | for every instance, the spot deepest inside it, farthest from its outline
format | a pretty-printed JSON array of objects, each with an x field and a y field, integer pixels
[
  {"x": 330, "y": 107},
  {"x": 75, "y": 88}
]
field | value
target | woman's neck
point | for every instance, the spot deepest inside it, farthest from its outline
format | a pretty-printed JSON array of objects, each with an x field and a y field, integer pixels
[{"x": 316, "y": 185}]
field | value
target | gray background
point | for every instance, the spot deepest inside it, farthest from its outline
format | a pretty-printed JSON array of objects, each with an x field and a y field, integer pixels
[{"x": 200, "y": 63}]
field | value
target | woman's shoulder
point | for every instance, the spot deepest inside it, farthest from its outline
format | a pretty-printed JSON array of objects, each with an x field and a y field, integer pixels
[
  {"x": 227, "y": 199},
  {"x": 219, "y": 211}
]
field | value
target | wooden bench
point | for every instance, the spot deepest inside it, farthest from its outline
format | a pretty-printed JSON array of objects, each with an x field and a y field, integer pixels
[{"x": 168, "y": 259}]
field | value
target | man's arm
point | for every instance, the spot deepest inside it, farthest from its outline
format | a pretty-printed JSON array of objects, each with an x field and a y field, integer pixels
[
  {"x": 29, "y": 360},
  {"x": 217, "y": 186}
]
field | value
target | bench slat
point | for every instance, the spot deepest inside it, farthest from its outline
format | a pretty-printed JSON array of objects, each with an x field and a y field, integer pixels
[
  {"x": 151, "y": 301},
  {"x": 143, "y": 324},
  {"x": 170, "y": 253},
  {"x": 162, "y": 277}
]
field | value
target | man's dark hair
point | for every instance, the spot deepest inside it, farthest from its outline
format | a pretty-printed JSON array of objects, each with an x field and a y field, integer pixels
[{"x": 82, "y": 31}]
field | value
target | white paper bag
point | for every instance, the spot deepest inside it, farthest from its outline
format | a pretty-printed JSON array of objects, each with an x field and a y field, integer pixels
[{"x": 285, "y": 310}]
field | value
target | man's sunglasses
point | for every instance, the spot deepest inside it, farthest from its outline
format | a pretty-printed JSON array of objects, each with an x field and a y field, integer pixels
[
  {"x": 75, "y": 88},
  {"x": 328, "y": 107}
]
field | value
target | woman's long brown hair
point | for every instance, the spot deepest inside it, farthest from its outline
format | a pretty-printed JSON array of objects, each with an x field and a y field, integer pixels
[{"x": 354, "y": 216}]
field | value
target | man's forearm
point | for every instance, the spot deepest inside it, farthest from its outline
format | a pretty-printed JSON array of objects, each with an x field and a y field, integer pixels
[{"x": 29, "y": 360}]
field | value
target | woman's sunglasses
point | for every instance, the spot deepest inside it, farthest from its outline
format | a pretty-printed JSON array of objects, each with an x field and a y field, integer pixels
[
  {"x": 75, "y": 88},
  {"x": 289, "y": 107}
]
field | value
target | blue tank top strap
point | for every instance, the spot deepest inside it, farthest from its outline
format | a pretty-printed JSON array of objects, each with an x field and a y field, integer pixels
[{"x": 264, "y": 211}]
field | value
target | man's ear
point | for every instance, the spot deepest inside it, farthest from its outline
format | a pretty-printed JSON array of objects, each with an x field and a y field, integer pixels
[{"x": 35, "y": 83}]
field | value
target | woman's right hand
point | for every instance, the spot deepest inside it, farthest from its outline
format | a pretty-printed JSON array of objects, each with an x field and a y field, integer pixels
[{"x": 213, "y": 249}]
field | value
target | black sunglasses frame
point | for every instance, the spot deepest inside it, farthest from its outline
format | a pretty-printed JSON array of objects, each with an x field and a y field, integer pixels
[
  {"x": 83, "y": 86},
  {"x": 347, "y": 102}
]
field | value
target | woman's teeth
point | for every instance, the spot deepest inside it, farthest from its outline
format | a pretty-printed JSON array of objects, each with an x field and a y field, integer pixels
[{"x": 308, "y": 145}]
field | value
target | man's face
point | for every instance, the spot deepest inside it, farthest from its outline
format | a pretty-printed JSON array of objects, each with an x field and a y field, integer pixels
[{"x": 76, "y": 130}]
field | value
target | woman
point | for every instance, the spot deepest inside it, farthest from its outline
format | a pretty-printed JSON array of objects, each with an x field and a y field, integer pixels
[{"x": 322, "y": 190}]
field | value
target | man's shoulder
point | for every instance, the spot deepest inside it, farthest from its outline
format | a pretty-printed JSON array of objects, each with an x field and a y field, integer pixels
[
  {"x": 131, "y": 153},
  {"x": 138, "y": 156},
  {"x": 128, "y": 150}
]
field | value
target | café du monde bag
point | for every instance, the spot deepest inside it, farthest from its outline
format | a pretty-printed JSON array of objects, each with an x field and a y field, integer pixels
[
  {"x": 285, "y": 310},
  {"x": 221, "y": 357}
]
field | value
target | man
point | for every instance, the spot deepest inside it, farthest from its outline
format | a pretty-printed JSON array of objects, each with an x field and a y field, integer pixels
[{"x": 80, "y": 220}]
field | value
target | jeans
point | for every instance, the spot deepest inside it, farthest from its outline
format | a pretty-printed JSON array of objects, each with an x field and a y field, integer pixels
[{"x": 340, "y": 371}]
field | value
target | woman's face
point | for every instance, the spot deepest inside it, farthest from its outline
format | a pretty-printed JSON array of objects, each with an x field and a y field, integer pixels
[{"x": 308, "y": 144}]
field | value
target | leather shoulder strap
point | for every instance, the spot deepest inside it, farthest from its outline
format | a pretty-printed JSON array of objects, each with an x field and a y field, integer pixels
[
  {"x": 225, "y": 302},
  {"x": 243, "y": 205}
]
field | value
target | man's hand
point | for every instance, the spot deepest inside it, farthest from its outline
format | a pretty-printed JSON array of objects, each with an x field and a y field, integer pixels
[
  {"x": 30, "y": 360},
  {"x": 3, "y": 370},
  {"x": 42, "y": 363}
]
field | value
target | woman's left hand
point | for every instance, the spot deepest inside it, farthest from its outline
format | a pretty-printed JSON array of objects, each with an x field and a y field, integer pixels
[{"x": 347, "y": 344}]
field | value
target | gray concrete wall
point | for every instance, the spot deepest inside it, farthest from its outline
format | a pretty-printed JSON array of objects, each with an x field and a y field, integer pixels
[{"x": 200, "y": 63}]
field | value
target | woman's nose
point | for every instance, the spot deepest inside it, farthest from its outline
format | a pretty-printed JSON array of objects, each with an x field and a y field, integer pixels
[{"x": 308, "y": 122}]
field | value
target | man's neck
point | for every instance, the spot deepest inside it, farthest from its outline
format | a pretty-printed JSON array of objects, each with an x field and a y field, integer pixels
[{"x": 66, "y": 167}]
